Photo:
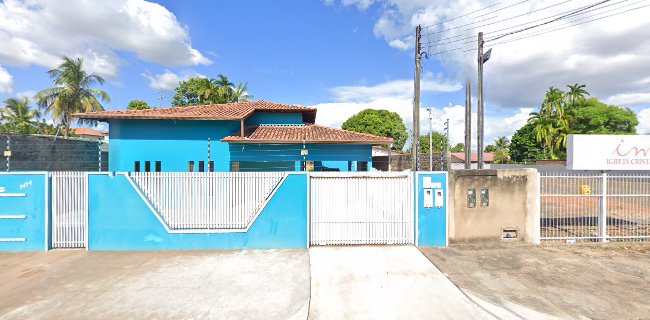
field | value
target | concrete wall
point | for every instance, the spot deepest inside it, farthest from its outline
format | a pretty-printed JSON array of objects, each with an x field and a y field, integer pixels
[
  {"x": 50, "y": 153},
  {"x": 513, "y": 204},
  {"x": 119, "y": 219},
  {"x": 24, "y": 211}
]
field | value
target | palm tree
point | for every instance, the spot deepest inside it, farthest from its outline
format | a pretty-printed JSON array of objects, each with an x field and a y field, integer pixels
[
  {"x": 240, "y": 93},
  {"x": 502, "y": 143},
  {"x": 576, "y": 92},
  {"x": 72, "y": 92},
  {"x": 17, "y": 113}
]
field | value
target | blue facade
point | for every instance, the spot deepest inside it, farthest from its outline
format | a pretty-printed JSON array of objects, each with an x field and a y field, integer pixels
[
  {"x": 120, "y": 220},
  {"x": 173, "y": 144},
  {"x": 24, "y": 212},
  {"x": 432, "y": 222}
]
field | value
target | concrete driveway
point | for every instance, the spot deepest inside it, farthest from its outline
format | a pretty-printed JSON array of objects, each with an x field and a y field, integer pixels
[
  {"x": 271, "y": 284},
  {"x": 383, "y": 282}
]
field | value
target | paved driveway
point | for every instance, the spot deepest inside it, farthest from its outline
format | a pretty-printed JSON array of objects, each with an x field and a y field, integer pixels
[
  {"x": 386, "y": 282},
  {"x": 155, "y": 285}
]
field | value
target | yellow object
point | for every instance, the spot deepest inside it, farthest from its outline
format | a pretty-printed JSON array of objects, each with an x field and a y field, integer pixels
[{"x": 585, "y": 189}]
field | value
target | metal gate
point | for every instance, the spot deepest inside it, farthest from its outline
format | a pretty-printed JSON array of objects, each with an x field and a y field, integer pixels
[
  {"x": 595, "y": 206},
  {"x": 69, "y": 209},
  {"x": 361, "y": 208}
]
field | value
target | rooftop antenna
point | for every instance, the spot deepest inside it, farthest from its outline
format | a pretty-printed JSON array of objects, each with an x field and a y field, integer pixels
[{"x": 161, "y": 96}]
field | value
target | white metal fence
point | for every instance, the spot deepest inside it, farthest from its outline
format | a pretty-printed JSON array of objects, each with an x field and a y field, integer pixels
[
  {"x": 69, "y": 209},
  {"x": 595, "y": 206},
  {"x": 208, "y": 200},
  {"x": 361, "y": 208}
]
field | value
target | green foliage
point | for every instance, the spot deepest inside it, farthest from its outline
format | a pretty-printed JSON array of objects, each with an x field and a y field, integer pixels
[
  {"x": 564, "y": 113},
  {"x": 490, "y": 148},
  {"x": 201, "y": 91},
  {"x": 439, "y": 143},
  {"x": 381, "y": 123},
  {"x": 18, "y": 117},
  {"x": 594, "y": 117},
  {"x": 524, "y": 146},
  {"x": 459, "y": 147},
  {"x": 138, "y": 105},
  {"x": 72, "y": 93}
]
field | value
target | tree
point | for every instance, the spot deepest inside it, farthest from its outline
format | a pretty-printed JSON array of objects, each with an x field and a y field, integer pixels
[
  {"x": 138, "y": 105},
  {"x": 439, "y": 142},
  {"x": 72, "y": 93},
  {"x": 591, "y": 116},
  {"x": 381, "y": 123},
  {"x": 201, "y": 91},
  {"x": 576, "y": 93},
  {"x": 490, "y": 148},
  {"x": 18, "y": 117},
  {"x": 524, "y": 146},
  {"x": 459, "y": 147}
]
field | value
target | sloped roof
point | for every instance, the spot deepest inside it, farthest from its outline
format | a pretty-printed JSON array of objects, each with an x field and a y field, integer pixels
[
  {"x": 487, "y": 156},
  {"x": 304, "y": 134},
  {"x": 226, "y": 111},
  {"x": 88, "y": 132}
]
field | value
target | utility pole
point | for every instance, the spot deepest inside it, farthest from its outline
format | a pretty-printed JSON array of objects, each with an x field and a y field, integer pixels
[
  {"x": 468, "y": 125},
  {"x": 447, "y": 155},
  {"x": 161, "y": 96},
  {"x": 479, "y": 121},
  {"x": 415, "y": 148},
  {"x": 430, "y": 140}
]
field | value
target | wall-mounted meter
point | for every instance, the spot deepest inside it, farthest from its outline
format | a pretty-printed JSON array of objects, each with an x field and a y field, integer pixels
[
  {"x": 439, "y": 201},
  {"x": 428, "y": 198}
]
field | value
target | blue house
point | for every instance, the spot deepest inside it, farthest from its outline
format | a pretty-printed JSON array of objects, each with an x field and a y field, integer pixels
[{"x": 246, "y": 136}]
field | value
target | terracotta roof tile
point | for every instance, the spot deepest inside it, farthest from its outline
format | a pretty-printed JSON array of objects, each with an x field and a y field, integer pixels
[
  {"x": 227, "y": 111},
  {"x": 306, "y": 134},
  {"x": 487, "y": 156},
  {"x": 88, "y": 132}
]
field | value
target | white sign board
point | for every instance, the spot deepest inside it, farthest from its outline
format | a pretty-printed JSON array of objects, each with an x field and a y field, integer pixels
[{"x": 608, "y": 152}]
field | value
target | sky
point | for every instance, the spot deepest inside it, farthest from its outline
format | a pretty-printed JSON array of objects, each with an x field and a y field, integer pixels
[{"x": 341, "y": 56}]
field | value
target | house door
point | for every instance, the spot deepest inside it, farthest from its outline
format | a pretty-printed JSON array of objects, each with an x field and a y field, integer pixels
[{"x": 349, "y": 208}]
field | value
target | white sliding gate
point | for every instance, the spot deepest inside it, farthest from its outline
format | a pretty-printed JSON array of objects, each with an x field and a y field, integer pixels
[
  {"x": 69, "y": 209},
  {"x": 361, "y": 208}
]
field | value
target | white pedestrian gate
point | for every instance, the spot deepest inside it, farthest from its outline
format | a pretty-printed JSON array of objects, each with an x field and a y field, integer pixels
[
  {"x": 361, "y": 208},
  {"x": 69, "y": 209}
]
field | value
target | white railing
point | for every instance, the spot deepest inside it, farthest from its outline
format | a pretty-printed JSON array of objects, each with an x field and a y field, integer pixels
[
  {"x": 594, "y": 206},
  {"x": 207, "y": 200},
  {"x": 69, "y": 209},
  {"x": 361, "y": 208}
]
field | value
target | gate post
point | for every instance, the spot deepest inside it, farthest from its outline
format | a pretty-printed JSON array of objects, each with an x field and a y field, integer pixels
[{"x": 603, "y": 212}]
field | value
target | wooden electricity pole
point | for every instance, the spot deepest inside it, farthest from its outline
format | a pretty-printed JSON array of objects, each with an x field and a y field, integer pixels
[
  {"x": 415, "y": 145},
  {"x": 479, "y": 121}
]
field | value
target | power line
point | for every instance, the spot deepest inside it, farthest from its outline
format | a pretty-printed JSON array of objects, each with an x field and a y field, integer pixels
[
  {"x": 463, "y": 15},
  {"x": 548, "y": 22}
]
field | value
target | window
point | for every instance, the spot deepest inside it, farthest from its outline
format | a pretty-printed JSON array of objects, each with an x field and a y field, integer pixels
[
  {"x": 158, "y": 166},
  {"x": 190, "y": 166},
  {"x": 349, "y": 166},
  {"x": 136, "y": 165},
  {"x": 147, "y": 166},
  {"x": 201, "y": 166},
  {"x": 211, "y": 166},
  {"x": 363, "y": 166}
]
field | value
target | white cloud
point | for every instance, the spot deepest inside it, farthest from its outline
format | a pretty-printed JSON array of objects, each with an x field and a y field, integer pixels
[
  {"x": 400, "y": 89},
  {"x": 39, "y": 32},
  {"x": 609, "y": 55},
  {"x": 6, "y": 81},
  {"x": 630, "y": 99},
  {"x": 644, "y": 121},
  {"x": 168, "y": 80},
  {"x": 26, "y": 94},
  {"x": 396, "y": 96}
]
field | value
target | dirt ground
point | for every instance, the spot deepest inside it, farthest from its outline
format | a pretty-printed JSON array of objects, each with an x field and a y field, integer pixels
[{"x": 579, "y": 281}]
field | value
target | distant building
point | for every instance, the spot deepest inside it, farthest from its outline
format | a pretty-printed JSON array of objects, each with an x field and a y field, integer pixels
[
  {"x": 458, "y": 160},
  {"x": 88, "y": 133}
]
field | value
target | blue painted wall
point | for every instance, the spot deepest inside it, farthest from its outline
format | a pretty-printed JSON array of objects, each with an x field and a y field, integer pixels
[
  {"x": 432, "y": 222},
  {"x": 279, "y": 155},
  {"x": 120, "y": 220},
  {"x": 33, "y": 206},
  {"x": 275, "y": 118},
  {"x": 172, "y": 142}
]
